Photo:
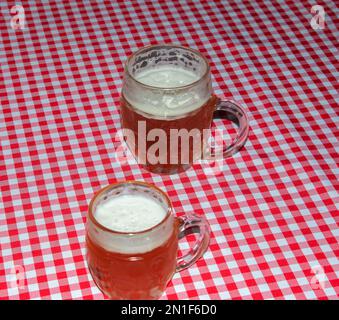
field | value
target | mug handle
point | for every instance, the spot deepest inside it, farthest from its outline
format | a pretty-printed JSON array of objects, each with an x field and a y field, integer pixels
[
  {"x": 231, "y": 111},
  {"x": 193, "y": 224}
]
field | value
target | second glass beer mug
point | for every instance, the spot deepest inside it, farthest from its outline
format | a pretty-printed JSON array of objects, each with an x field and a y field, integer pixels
[
  {"x": 132, "y": 240},
  {"x": 166, "y": 104}
]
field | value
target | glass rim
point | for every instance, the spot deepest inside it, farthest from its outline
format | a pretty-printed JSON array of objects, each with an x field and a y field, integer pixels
[
  {"x": 187, "y": 86},
  {"x": 128, "y": 182}
]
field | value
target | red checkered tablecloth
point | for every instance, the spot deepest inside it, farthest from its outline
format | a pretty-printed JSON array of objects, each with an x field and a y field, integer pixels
[{"x": 273, "y": 210}]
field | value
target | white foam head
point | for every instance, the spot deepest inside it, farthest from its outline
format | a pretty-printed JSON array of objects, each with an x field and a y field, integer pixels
[
  {"x": 167, "y": 77},
  {"x": 167, "y": 82},
  {"x": 130, "y": 213},
  {"x": 127, "y": 215}
]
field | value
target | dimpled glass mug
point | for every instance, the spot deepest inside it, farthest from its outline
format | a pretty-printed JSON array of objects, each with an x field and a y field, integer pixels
[
  {"x": 132, "y": 240},
  {"x": 168, "y": 87}
]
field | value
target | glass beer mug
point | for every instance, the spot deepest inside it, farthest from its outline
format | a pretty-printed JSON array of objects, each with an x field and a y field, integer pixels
[
  {"x": 132, "y": 240},
  {"x": 166, "y": 104}
]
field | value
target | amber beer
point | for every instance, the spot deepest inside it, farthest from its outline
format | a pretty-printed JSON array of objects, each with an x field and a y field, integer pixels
[
  {"x": 132, "y": 240},
  {"x": 169, "y": 88},
  {"x": 141, "y": 275},
  {"x": 199, "y": 119}
]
